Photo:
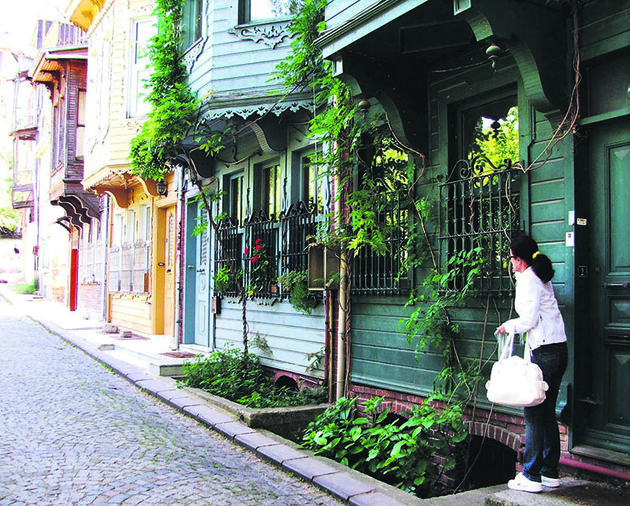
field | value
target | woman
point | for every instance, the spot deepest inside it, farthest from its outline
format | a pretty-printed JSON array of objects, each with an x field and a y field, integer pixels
[{"x": 540, "y": 322}]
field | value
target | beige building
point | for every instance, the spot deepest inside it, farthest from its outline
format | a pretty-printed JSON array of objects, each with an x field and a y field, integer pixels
[{"x": 141, "y": 216}]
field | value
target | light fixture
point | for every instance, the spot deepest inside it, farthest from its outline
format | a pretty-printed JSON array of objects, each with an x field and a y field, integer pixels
[
  {"x": 162, "y": 189},
  {"x": 493, "y": 52}
]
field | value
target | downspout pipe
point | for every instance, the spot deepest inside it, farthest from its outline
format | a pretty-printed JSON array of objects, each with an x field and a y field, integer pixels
[
  {"x": 341, "y": 301},
  {"x": 105, "y": 217},
  {"x": 179, "y": 216},
  {"x": 342, "y": 325}
]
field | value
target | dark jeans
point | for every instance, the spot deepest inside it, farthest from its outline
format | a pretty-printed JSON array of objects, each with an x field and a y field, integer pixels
[{"x": 542, "y": 437}]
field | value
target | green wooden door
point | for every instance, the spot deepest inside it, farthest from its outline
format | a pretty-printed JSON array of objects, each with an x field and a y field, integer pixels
[{"x": 608, "y": 425}]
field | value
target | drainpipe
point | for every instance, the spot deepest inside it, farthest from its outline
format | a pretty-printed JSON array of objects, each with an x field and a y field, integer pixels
[
  {"x": 341, "y": 302},
  {"x": 178, "y": 180},
  {"x": 341, "y": 329},
  {"x": 105, "y": 216}
]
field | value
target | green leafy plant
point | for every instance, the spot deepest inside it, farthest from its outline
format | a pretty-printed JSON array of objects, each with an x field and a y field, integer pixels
[
  {"x": 400, "y": 452},
  {"x": 239, "y": 377},
  {"x": 27, "y": 288},
  {"x": 173, "y": 105},
  {"x": 295, "y": 283},
  {"x": 225, "y": 280},
  {"x": 262, "y": 268}
]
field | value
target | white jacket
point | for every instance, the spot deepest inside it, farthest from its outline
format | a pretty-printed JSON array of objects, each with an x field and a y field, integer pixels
[{"x": 538, "y": 311}]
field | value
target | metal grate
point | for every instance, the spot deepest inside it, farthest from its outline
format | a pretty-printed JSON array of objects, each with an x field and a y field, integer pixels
[
  {"x": 297, "y": 225},
  {"x": 480, "y": 209},
  {"x": 261, "y": 259},
  {"x": 229, "y": 250},
  {"x": 379, "y": 274}
]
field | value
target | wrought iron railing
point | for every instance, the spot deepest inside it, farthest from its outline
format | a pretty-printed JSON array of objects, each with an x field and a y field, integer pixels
[
  {"x": 229, "y": 252},
  {"x": 480, "y": 209},
  {"x": 261, "y": 259},
  {"x": 264, "y": 248},
  {"x": 376, "y": 273},
  {"x": 298, "y": 225}
]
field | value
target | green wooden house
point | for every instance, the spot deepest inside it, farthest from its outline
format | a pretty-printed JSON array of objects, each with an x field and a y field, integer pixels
[{"x": 557, "y": 74}]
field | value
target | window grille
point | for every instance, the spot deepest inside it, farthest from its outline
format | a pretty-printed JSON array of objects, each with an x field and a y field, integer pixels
[
  {"x": 378, "y": 274},
  {"x": 480, "y": 206},
  {"x": 229, "y": 250},
  {"x": 297, "y": 224},
  {"x": 261, "y": 258}
]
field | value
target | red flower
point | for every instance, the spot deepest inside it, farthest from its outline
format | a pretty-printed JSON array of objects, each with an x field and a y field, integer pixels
[
  {"x": 254, "y": 259},
  {"x": 246, "y": 251},
  {"x": 258, "y": 241},
  {"x": 258, "y": 247}
]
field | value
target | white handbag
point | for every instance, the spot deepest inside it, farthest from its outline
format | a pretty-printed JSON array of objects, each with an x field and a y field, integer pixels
[{"x": 515, "y": 381}]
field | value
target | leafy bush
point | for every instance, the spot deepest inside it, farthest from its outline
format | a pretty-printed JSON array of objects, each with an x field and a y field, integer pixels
[
  {"x": 401, "y": 453},
  {"x": 25, "y": 288},
  {"x": 295, "y": 283},
  {"x": 239, "y": 377}
]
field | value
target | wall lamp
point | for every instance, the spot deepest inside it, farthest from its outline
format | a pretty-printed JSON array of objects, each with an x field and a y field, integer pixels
[{"x": 162, "y": 189}]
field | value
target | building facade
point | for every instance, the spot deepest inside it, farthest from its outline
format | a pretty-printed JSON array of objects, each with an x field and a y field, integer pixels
[{"x": 444, "y": 72}]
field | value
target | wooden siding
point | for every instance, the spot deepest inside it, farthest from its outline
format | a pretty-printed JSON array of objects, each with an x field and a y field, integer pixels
[
  {"x": 604, "y": 27},
  {"x": 108, "y": 140},
  {"x": 230, "y": 64},
  {"x": 131, "y": 312},
  {"x": 291, "y": 336},
  {"x": 381, "y": 356}
]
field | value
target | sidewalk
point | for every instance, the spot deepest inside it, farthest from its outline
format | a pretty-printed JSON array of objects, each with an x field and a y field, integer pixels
[{"x": 148, "y": 361}]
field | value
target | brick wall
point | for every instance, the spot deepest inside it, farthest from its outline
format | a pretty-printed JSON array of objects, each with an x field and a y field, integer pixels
[{"x": 90, "y": 300}]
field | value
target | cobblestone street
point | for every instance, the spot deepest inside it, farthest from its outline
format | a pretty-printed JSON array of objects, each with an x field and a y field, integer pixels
[{"x": 75, "y": 433}]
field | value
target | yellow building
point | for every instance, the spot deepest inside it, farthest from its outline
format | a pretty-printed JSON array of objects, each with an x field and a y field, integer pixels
[{"x": 142, "y": 216}]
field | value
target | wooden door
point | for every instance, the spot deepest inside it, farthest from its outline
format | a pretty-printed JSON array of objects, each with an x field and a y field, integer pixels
[
  {"x": 202, "y": 285},
  {"x": 170, "y": 241},
  {"x": 608, "y": 420}
]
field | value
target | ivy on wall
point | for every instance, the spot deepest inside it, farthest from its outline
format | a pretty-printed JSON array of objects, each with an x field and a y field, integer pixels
[{"x": 173, "y": 105}]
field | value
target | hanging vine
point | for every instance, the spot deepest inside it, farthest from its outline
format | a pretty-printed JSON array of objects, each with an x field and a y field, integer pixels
[{"x": 357, "y": 224}]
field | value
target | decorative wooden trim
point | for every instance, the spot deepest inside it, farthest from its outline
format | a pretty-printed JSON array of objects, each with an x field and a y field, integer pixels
[{"x": 270, "y": 34}]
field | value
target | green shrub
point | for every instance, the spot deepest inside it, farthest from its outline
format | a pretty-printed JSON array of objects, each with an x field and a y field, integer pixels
[
  {"x": 401, "y": 453},
  {"x": 295, "y": 283},
  {"x": 238, "y": 377},
  {"x": 27, "y": 287}
]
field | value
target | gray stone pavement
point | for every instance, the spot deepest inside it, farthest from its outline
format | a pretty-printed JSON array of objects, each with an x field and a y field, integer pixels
[{"x": 72, "y": 432}]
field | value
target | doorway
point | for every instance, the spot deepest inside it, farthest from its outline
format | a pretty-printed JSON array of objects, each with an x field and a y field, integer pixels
[
  {"x": 197, "y": 319},
  {"x": 605, "y": 400}
]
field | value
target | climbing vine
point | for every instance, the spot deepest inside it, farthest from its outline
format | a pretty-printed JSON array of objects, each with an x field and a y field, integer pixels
[
  {"x": 358, "y": 224},
  {"x": 173, "y": 105}
]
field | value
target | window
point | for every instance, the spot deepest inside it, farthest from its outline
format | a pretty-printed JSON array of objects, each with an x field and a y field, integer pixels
[
  {"x": 145, "y": 223},
  {"x": 252, "y": 11},
  {"x": 192, "y": 22},
  {"x": 383, "y": 174},
  {"x": 80, "y": 139},
  {"x": 236, "y": 202},
  {"x": 141, "y": 33},
  {"x": 129, "y": 253},
  {"x": 90, "y": 255},
  {"x": 481, "y": 193},
  {"x": 271, "y": 190},
  {"x": 310, "y": 183}
]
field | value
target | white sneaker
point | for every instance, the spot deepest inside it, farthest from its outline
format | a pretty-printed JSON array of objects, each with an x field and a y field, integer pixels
[
  {"x": 524, "y": 484},
  {"x": 550, "y": 482}
]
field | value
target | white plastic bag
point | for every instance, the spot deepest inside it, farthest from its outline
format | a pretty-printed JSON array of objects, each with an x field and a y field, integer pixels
[{"x": 515, "y": 381}]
